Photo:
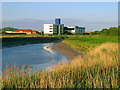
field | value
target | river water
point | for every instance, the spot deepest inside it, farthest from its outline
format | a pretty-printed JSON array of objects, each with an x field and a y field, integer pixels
[{"x": 36, "y": 56}]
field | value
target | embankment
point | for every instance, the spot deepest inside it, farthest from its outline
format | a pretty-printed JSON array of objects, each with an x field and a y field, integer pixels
[
  {"x": 75, "y": 46},
  {"x": 16, "y": 41},
  {"x": 65, "y": 50}
]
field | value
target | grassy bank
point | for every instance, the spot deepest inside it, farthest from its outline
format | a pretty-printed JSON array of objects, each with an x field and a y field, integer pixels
[
  {"x": 40, "y": 35},
  {"x": 86, "y": 43},
  {"x": 15, "y": 40},
  {"x": 22, "y": 40},
  {"x": 99, "y": 69}
]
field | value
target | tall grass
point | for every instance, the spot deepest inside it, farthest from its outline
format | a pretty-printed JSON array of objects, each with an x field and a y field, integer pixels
[
  {"x": 86, "y": 43},
  {"x": 0, "y": 79},
  {"x": 99, "y": 69}
]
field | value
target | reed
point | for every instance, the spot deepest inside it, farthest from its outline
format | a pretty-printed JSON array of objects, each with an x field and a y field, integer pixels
[
  {"x": 0, "y": 79},
  {"x": 98, "y": 69}
]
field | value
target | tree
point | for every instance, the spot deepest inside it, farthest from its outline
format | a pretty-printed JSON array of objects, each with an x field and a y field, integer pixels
[
  {"x": 7, "y": 29},
  {"x": 112, "y": 31}
]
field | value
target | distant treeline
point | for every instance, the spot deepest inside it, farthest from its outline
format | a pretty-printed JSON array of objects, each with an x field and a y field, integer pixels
[
  {"x": 112, "y": 31},
  {"x": 7, "y": 29}
]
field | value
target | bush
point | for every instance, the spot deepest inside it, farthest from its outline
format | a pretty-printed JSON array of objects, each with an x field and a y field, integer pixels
[{"x": 112, "y": 31}]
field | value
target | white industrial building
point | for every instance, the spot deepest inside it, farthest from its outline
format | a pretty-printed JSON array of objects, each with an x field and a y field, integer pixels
[
  {"x": 53, "y": 28},
  {"x": 58, "y": 28}
]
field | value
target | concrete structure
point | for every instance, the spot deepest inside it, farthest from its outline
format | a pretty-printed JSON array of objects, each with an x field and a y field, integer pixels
[
  {"x": 58, "y": 22},
  {"x": 53, "y": 29},
  {"x": 74, "y": 29},
  {"x": 59, "y": 28},
  {"x": 79, "y": 29}
]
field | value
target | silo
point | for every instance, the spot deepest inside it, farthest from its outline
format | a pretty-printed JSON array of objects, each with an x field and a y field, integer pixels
[{"x": 57, "y": 21}]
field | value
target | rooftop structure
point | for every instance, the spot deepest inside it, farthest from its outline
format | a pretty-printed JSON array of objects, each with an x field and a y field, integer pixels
[
  {"x": 26, "y": 31},
  {"x": 57, "y": 21}
]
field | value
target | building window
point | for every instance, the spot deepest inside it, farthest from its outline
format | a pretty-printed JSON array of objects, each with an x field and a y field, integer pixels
[
  {"x": 50, "y": 25},
  {"x": 50, "y": 28}
]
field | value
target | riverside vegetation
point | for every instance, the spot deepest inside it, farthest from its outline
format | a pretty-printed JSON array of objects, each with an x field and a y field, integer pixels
[
  {"x": 98, "y": 68},
  {"x": 15, "y": 40},
  {"x": 86, "y": 43}
]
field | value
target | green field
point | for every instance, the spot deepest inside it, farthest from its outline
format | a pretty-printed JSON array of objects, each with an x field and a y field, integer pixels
[
  {"x": 85, "y": 43},
  {"x": 98, "y": 69}
]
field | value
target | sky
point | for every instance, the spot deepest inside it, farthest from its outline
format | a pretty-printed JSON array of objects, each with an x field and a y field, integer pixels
[{"x": 32, "y": 15}]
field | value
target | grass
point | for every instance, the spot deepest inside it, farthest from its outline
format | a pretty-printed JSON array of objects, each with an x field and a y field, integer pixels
[
  {"x": 32, "y": 35},
  {"x": 15, "y": 40},
  {"x": 21, "y": 40},
  {"x": 38, "y": 35},
  {"x": 0, "y": 79},
  {"x": 99, "y": 69},
  {"x": 86, "y": 43}
]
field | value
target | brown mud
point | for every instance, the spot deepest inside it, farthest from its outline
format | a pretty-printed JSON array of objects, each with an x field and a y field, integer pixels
[{"x": 65, "y": 50}]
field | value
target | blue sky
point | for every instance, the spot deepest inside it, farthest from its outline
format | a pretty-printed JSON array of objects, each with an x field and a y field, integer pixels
[{"x": 93, "y": 15}]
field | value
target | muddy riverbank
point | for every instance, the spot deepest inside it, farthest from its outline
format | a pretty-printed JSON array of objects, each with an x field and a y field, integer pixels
[{"x": 65, "y": 50}]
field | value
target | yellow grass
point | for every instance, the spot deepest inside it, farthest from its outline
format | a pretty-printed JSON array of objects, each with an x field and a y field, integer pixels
[
  {"x": 0, "y": 79},
  {"x": 98, "y": 69},
  {"x": 104, "y": 54}
]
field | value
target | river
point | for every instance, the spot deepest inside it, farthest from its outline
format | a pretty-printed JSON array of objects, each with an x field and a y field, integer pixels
[{"x": 36, "y": 56}]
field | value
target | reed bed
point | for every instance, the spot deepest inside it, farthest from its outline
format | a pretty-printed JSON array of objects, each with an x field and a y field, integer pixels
[
  {"x": 98, "y": 69},
  {"x": 0, "y": 79}
]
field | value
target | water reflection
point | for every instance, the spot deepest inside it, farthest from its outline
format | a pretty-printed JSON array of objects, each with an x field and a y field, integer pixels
[
  {"x": 35, "y": 56},
  {"x": 47, "y": 47}
]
